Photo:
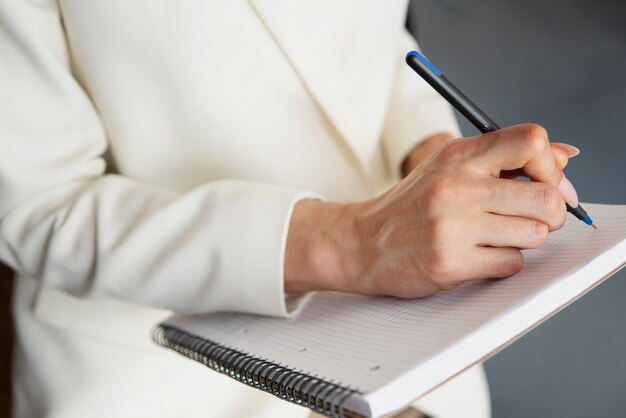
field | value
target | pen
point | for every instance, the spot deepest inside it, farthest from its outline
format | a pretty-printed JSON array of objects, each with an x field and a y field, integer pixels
[{"x": 477, "y": 117}]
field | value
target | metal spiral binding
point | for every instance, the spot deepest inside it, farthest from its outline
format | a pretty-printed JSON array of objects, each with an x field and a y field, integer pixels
[{"x": 321, "y": 396}]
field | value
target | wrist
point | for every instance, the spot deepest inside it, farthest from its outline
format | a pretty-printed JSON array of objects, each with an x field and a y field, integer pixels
[{"x": 320, "y": 243}]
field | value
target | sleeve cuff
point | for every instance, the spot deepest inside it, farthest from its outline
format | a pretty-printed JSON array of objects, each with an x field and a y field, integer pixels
[{"x": 252, "y": 272}]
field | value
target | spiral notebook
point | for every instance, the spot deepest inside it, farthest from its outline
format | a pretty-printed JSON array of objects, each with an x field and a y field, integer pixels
[{"x": 358, "y": 356}]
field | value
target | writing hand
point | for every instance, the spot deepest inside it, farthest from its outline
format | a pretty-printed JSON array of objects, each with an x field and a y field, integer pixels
[{"x": 456, "y": 217}]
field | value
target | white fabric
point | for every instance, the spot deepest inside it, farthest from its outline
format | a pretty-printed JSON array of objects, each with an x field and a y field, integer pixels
[
  {"x": 467, "y": 395},
  {"x": 151, "y": 153}
]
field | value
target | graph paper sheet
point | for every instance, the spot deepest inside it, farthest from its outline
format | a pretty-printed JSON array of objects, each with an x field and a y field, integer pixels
[{"x": 395, "y": 350}]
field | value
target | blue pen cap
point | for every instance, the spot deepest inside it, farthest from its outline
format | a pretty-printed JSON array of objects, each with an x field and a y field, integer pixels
[{"x": 427, "y": 63}]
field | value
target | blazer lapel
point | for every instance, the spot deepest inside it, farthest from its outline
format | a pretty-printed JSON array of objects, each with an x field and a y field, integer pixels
[
  {"x": 306, "y": 31},
  {"x": 344, "y": 53}
]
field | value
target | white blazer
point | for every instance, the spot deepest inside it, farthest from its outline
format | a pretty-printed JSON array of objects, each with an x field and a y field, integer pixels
[{"x": 150, "y": 155}]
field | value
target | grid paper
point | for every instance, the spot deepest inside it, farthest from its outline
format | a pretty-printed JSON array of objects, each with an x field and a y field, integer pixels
[{"x": 366, "y": 342}]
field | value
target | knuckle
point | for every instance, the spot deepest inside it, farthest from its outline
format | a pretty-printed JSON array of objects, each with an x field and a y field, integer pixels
[
  {"x": 535, "y": 138},
  {"x": 539, "y": 233},
  {"x": 437, "y": 231},
  {"x": 556, "y": 176},
  {"x": 441, "y": 189},
  {"x": 450, "y": 152},
  {"x": 441, "y": 269},
  {"x": 447, "y": 152},
  {"x": 551, "y": 202},
  {"x": 516, "y": 262},
  {"x": 559, "y": 218}
]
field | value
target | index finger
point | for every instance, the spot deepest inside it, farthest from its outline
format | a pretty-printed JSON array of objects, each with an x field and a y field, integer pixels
[{"x": 523, "y": 147}]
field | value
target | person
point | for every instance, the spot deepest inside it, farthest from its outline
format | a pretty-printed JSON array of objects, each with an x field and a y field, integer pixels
[{"x": 202, "y": 156}]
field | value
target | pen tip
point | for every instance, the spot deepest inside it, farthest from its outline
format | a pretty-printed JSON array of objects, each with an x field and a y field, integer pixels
[{"x": 594, "y": 226}]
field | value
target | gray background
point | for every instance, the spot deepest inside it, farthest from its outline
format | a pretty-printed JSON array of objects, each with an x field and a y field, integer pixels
[{"x": 561, "y": 64}]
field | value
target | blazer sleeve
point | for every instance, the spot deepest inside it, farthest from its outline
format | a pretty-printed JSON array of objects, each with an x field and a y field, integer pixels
[
  {"x": 415, "y": 111},
  {"x": 66, "y": 222}
]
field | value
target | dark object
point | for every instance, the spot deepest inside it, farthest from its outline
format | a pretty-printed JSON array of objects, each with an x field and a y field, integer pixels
[
  {"x": 433, "y": 76},
  {"x": 323, "y": 397},
  {"x": 448, "y": 91}
]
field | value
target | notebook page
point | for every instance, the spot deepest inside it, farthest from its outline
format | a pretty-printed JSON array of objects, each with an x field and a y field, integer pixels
[
  {"x": 511, "y": 324},
  {"x": 368, "y": 342}
]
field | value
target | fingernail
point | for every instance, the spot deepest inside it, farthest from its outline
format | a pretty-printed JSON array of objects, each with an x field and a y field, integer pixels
[
  {"x": 568, "y": 193},
  {"x": 572, "y": 151}
]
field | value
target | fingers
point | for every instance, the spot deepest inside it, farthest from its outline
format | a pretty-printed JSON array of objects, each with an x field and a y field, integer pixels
[
  {"x": 486, "y": 263},
  {"x": 509, "y": 231},
  {"x": 489, "y": 247},
  {"x": 497, "y": 263},
  {"x": 526, "y": 147},
  {"x": 522, "y": 146},
  {"x": 538, "y": 201},
  {"x": 562, "y": 154},
  {"x": 457, "y": 219}
]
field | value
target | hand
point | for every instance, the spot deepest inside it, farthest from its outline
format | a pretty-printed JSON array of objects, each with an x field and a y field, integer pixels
[
  {"x": 431, "y": 145},
  {"x": 456, "y": 217},
  {"x": 423, "y": 151}
]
